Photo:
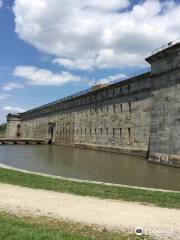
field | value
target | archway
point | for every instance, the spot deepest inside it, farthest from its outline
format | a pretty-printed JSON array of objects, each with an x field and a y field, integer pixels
[{"x": 51, "y": 127}]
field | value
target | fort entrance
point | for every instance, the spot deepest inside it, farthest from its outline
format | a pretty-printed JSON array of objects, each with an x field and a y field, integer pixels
[{"x": 51, "y": 127}]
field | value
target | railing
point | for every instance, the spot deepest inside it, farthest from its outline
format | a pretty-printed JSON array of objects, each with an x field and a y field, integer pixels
[
  {"x": 167, "y": 45},
  {"x": 135, "y": 74}
]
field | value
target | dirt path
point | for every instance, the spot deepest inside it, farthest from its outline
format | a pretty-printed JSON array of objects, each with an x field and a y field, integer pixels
[{"x": 109, "y": 213}]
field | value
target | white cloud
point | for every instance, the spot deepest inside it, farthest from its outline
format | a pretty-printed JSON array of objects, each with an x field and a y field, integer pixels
[
  {"x": 37, "y": 76},
  {"x": 83, "y": 64},
  {"x": 13, "y": 109},
  {"x": 4, "y": 96},
  {"x": 1, "y": 3},
  {"x": 10, "y": 86},
  {"x": 88, "y": 34},
  {"x": 109, "y": 79},
  {"x": 105, "y": 5}
]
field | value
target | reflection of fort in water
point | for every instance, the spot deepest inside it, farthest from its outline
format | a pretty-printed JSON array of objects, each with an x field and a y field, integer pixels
[{"x": 140, "y": 115}]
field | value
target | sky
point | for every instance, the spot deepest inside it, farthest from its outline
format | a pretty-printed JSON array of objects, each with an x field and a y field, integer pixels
[{"x": 50, "y": 49}]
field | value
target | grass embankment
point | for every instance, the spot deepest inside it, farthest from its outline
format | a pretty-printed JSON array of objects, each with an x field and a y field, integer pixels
[
  {"x": 158, "y": 198},
  {"x": 14, "y": 227}
]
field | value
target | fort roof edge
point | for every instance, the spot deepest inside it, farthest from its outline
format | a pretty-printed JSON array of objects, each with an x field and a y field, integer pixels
[
  {"x": 164, "y": 49},
  {"x": 121, "y": 81}
]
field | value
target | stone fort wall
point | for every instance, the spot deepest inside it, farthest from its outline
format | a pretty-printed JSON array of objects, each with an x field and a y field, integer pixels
[
  {"x": 140, "y": 115},
  {"x": 116, "y": 116}
]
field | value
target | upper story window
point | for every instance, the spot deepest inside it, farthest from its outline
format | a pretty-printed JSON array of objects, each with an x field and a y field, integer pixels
[
  {"x": 107, "y": 131},
  {"x": 114, "y": 108}
]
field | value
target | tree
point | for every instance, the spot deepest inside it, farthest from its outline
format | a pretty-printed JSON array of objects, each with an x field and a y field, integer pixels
[{"x": 3, "y": 128}]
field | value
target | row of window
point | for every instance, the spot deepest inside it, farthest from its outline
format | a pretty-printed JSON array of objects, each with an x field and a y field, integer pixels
[
  {"x": 115, "y": 131},
  {"x": 79, "y": 101},
  {"x": 116, "y": 108}
]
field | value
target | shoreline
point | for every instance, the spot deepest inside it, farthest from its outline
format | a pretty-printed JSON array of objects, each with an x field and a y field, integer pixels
[
  {"x": 85, "y": 181},
  {"x": 165, "y": 199}
]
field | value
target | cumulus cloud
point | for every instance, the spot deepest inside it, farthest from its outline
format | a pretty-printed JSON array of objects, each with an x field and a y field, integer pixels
[
  {"x": 1, "y": 3},
  {"x": 10, "y": 86},
  {"x": 105, "y": 5},
  {"x": 38, "y": 76},
  {"x": 13, "y": 109},
  {"x": 109, "y": 79},
  {"x": 73, "y": 64},
  {"x": 4, "y": 96},
  {"x": 89, "y": 34}
]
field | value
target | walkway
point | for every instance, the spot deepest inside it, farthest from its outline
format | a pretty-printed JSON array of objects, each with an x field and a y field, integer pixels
[{"x": 109, "y": 213}]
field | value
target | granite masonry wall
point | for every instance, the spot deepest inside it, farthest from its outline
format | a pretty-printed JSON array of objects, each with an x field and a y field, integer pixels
[
  {"x": 13, "y": 125},
  {"x": 139, "y": 116},
  {"x": 117, "y": 116}
]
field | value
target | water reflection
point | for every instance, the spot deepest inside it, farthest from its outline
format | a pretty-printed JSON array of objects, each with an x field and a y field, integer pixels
[{"x": 91, "y": 165}]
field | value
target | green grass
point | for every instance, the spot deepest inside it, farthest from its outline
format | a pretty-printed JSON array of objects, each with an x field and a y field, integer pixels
[
  {"x": 14, "y": 227},
  {"x": 158, "y": 198}
]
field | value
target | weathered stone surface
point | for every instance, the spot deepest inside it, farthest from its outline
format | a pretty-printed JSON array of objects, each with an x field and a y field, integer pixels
[{"x": 13, "y": 125}]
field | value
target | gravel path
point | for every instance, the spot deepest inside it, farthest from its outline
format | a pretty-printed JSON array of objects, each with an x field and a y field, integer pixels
[{"x": 164, "y": 223}]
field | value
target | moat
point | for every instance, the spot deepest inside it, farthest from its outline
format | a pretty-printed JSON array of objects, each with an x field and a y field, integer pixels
[{"x": 90, "y": 165}]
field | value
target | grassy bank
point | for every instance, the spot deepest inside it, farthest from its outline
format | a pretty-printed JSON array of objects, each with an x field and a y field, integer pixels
[
  {"x": 35, "y": 228},
  {"x": 163, "y": 199}
]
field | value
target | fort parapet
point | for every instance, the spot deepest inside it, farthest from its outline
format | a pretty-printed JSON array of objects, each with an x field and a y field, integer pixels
[{"x": 139, "y": 116}]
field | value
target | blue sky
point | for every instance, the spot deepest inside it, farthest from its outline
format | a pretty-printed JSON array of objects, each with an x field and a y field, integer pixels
[{"x": 53, "y": 48}]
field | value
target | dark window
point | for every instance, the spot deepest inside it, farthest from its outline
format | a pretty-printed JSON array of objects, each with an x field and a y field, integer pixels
[
  {"x": 114, "y": 108},
  {"x": 129, "y": 134},
  {"x": 113, "y": 133},
  {"x": 129, "y": 87},
  {"x": 121, "y": 109},
  {"x": 120, "y": 132},
  {"x": 107, "y": 131}
]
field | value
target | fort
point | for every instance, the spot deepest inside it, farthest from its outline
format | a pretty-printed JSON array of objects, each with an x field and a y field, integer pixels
[{"x": 139, "y": 115}]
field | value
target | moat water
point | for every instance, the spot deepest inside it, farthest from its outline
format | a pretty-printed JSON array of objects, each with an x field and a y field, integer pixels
[{"x": 90, "y": 165}]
